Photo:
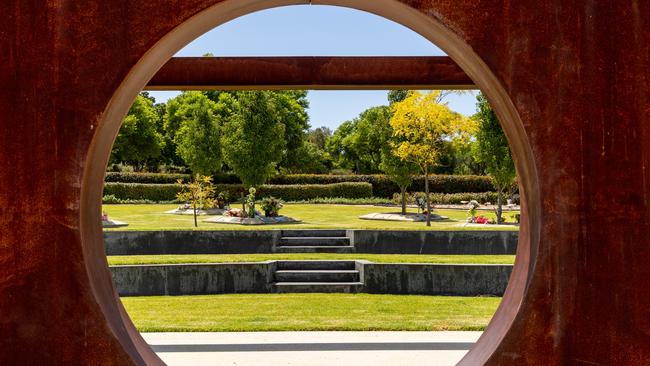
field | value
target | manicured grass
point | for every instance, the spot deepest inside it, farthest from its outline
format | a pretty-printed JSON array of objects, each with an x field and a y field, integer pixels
[
  {"x": 300, "y": 312},
  {"x": 314, "y": 216},
  {"x": 378, "y": 258}
]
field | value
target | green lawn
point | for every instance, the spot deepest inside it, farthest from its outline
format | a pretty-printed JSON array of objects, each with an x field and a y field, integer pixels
[
  {"x": 296, "y": 312},
  {"x": 378, "y": 258},
  {"x": 314, "y": 216}
]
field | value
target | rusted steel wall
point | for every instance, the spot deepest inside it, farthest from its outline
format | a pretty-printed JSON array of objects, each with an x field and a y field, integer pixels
[{"x": 577, "y": 73}]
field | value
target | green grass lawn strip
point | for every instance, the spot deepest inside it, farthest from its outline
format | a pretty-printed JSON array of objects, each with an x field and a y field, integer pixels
[
  {"x": 309, "y": 312},
  {"x": 313, "y": 216},
  {"x": 378, "y": 258}
]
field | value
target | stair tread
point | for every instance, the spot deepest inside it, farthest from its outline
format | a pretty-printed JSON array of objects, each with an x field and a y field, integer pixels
[
  {"x": 351, "y": 271},
  {"x": 318, "y": 283},
  {"x": 315, "y": 246}
]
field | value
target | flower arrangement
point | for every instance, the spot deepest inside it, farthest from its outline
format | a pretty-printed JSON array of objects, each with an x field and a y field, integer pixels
[
  {"x": 271, "y": 206},
  {"x": 223, "y": 199},
  {"x": 472, "y": 208}
]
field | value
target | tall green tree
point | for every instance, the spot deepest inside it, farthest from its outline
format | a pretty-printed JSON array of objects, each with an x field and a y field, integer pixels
[
  {"x": 492, "y": 149},
  {"x": 253, "y": 139},
  {"x": 138, "y": 139},
  {"x": 198, "y": 140}
]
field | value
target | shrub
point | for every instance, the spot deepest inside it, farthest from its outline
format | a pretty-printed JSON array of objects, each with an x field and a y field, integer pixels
[
  {"x": 168, "y": 192},
  {"x": 135, "y": 191},
  {"x": 271, "y": 206},
  {"x": 145, "y": 178},
  {"x": 451, "y": 198}
]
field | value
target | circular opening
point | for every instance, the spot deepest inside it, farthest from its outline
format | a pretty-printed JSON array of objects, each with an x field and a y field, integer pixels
[{"x": 218, "y": 14}]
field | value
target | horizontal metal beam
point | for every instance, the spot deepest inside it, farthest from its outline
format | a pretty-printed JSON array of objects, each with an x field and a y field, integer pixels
[{"x": 326, "y": 73}]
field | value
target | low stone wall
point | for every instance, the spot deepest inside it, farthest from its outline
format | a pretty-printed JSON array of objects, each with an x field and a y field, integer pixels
[
  {"x": 263, "y": 241},
  {"x": 193, "y": 279},
  {"x": 434, "y": 242},
  {"x": 378, "y": 278},
  {"x": 190, "y": 242},
  {"x": 436, "y": 279}
]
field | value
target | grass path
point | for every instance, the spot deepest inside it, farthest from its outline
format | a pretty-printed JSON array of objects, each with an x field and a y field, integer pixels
[
  {"x": 313, "y": 216},
  {"x": 300, "y": 312},
  {"x": 378, "y": 258}
]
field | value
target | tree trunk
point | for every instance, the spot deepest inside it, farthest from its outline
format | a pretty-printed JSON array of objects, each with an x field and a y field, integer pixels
[
  {"x": 196, "y": 223},
  {"x": 499, "y": 210},
  {"x": 403, "y": 192},
  {"x": 426, "y": 195}
]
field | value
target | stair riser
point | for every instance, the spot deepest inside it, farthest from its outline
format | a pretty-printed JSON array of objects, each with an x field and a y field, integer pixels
[
  {"x": 314, "y": 249},
  {"x": 315, "y": 265},
  {"x": 315, "y": 242},
  {"x": 319, "y": 289},
  {"x": 317, "y": 277},
  {"x": 312, "y": 233}
]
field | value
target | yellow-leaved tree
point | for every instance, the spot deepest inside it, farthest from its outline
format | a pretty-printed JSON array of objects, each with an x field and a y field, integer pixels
[{"x": 421, "y": 124}]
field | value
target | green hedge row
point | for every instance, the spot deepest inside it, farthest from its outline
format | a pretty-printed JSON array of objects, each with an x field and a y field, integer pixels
[
  {"x": 381, "y": 185},
  {"x": 145, "y": 178},
  {"x": 455, "y": 198},
  {"x": 292, "y": 192}
]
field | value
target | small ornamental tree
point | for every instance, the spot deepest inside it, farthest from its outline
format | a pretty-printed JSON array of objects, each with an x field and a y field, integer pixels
[
  {"x": 399, "y": 171},
  {"x": 420, "y": 125},
  {"x": 492, "y": 150},
  {"x": 199, "y": 194}
]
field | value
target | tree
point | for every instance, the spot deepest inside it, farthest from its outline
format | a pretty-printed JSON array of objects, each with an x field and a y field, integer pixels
[
  {"x": 199, "y": 194},
  {"x": 319, "y": 136},
  {"x": 492, "y": 150},
  {"x": 399, "y": 171},
  {"x": 198, "y": 140},
  {"x": 253, "y": 139},
  {"x": 138, "y": 139},
  {"x": 398, "y": 95},
  {"x": 421, "y": 124}
]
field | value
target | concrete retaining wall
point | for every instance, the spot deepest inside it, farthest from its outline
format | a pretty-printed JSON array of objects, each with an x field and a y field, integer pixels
[
  {"x": 263, "y": 241},
  {"x": 199, "y": 279},
  {"x": 190, "y": 242},
  {"x": 192, "y": 279},
  {"x": 434, "y": 242},
  {"x": 436, "y": 279}
]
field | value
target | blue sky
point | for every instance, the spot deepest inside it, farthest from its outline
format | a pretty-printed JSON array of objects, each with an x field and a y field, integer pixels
[{"x": 316, "y": 30}]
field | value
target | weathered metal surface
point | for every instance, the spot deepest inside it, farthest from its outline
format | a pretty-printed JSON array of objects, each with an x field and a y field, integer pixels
[
  {"x": 227, "y": 73},
  {"x": 577, "y": 74}
]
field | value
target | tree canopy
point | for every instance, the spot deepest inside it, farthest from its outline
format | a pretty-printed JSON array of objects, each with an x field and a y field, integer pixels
[
  {"x": 253, "y": 140},
  {"x": 138, "y": 139}
]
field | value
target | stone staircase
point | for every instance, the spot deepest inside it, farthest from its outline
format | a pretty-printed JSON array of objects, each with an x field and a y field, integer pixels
[
  {"x": 317, "y": 276},
  {"x": 314, "y": 241}
]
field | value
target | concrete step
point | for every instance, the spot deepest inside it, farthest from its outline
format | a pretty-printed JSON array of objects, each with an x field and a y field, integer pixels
[
  {"x": 320, "y": 241},
  {"x": 322, "y": 287},
  {"x": 314, "y": 249},
  {"x": 315, "y": 265},
  {"x": 315, "y": 232},
  {"x": 317, "y": 276}
]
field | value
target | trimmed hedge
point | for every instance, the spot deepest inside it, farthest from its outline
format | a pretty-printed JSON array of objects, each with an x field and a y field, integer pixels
[
  {"x": 167, "y": 192},
  {"x": 145, "y": 178},
  {"x": 381, "y": 185},
  {"x": 455, "y": 198}
]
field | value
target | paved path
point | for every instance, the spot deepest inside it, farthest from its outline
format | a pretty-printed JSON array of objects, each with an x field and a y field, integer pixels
[{"x": 312, "y": 348}]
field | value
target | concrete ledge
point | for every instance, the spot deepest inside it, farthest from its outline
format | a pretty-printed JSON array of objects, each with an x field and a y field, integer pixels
[
  {"x": 266, "y": 241},
  {"x": 192, "y": 279},
  {"x": 190, "y": 242},
  {"x": 436, "y": 279},
  {"x": 435, "y": 242},
  {"x": 377, "y": 278}
]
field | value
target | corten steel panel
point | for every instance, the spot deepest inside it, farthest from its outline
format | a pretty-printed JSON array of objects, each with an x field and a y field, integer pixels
[
  {"x": 577, "y": 73},
  {"x": 192, "y": 73}
]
